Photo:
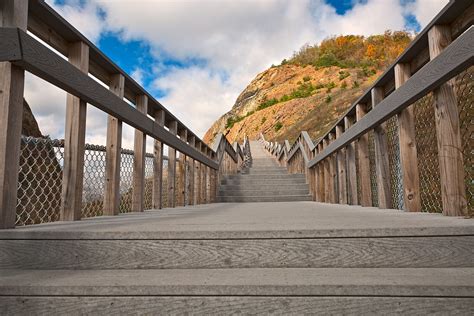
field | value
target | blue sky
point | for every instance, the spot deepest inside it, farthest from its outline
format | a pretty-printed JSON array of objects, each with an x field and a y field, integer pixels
[{"x": 197, "y": 56}]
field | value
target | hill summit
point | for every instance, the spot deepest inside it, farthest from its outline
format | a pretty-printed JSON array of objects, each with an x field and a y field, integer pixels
[{"x": 310, "y": 90}]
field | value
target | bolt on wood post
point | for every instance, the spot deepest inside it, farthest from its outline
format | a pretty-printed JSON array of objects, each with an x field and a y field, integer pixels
[
  {"x": 364, "y": 162},
  {"x": 158, "y": 164},
  {"x": 448, "y": 134},
  {"x": 382, "y": 166},
  {"x": 352, "y": 198},
  {"x": 113, "y": 153},
  {"x": 74, "y": 141},
  {"x": 138, "y": 190},
  {"x": 408, "y": 152},
  {"x": 191, "y": 174},
  {"x": 341, "y": 168},
  {"x": 13, "y": 13},
  {"x": 173, "y": 129},
  {"x": 183, "y": 134}
]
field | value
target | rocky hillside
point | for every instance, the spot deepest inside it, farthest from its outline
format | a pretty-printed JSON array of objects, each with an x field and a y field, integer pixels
[{"x": 310, "y": 90}]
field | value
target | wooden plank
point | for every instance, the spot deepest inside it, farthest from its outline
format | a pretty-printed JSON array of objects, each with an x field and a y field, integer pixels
[
  {"x": 183, "y": 134},
  {"x": 341, "y": 167},
  {"x": 333, "y": 191},
  {"x": 74, "y": 142},
  {"x": 327, "y": 175},
  {"x": 173, "y": 128},
  {"x": 321, "y": 186},
  {"x": 10, "y": 45},
  {"x": 158, "y": 165},
  {"x": 138, "y": 189},
  {"x": 448, "y": 132},
  {"x": 191, "y": 173},
  {"x": 198, "y": 167},
  {"x": 382, "y": 166},
  {"x": 454, "y": 59},
  {"x": 12, "y": 78},
  {"x": 408, "y": 151},
  {"x": 364, "y": 162},
  {"x": 352, "y": 197},
  {"x": 375, "y": 252},
  {"x": 203, "y": 185},
  {"x": 47, "y": 65},
  {"x": 113, "y": 154}
]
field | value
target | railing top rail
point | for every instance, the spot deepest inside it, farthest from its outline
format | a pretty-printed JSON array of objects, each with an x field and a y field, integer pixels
[
  {"x": 59, "y": 33},
  {"x": 457, "y": 13}
]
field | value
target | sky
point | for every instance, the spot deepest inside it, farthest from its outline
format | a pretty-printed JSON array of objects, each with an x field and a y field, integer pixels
[{"x": 196, "y": 56}]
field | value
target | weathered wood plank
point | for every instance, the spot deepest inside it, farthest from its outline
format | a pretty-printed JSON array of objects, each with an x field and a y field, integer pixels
[
  {"x": 173, "y": 129},
  {"x": 198, "y": 173},
  {"x": 327, "y": 175},
  {"x": 321, "y": 182},
  {"x": 408, "y": 152},
  {"x": 113, "y": 154},
  {"x": 138, "y": 190},
  {"x": 401, "y": 252},
  {"x": 342, "y": 170},
  {"x": 158, "y": 164},
  {"x": 382, "y": 166},
  {"x": 351, "y": 166},
  {"x": 10, "y": 45},
  {"x": 364, "y": 162},
  {"x": 191, "y": 174},
  {"x": 333, "y": 190},
  {"x": 74, "y": 142},
  {"x": 183, "y": 134},
  {"x": 14, "y": 13},
  {"x": 448, "y": 132},
  {"x": 455, "y": 58}
]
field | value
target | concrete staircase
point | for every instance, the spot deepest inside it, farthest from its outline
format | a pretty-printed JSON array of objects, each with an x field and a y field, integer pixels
[{"x": 264, "y": 181}]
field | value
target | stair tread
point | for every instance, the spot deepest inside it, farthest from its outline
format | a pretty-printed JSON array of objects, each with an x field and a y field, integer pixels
[{"x": 440, "y": 282}]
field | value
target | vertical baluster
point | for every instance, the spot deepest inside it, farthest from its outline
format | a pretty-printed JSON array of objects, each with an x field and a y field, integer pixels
[
  {"x": 341, "y": 168},
  {"x": 158, "y": 164},
  {"x": 327, "y": 174},
  {"x": 138, "y": 193},
  {"x": 333, "y": 173},
  {"x": 321, "y": 183},
  {"x": 191, "y": 189},
  {"x": 183, "y": 134},
  {"x": 351, "y": 166},
  {"x": 364, "y": 164},
  {"x": 173, "y": 129}
]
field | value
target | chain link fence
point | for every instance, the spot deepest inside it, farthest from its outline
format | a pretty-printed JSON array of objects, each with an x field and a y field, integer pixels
[{"x": 40, "y": 180}]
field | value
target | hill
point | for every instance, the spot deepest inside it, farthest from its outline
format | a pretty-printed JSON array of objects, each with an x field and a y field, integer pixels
[{"x": 311, "y": 89}]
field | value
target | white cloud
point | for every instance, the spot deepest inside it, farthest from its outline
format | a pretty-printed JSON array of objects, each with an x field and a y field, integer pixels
[{"x": 426, "y": 10}]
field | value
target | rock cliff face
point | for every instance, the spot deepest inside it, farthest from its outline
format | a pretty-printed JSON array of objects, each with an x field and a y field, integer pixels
[
  {"x": 29, "y": 125},
  {"x": 317, "y": 97}
]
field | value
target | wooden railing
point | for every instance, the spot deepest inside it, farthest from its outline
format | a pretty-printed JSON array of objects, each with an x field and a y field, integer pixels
[
  {"x": 352, "y": 162},
  {"x": 71, "y": 68}
]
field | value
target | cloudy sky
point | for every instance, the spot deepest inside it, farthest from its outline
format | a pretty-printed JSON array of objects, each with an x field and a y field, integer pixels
[{"x": 196, "y": 56}]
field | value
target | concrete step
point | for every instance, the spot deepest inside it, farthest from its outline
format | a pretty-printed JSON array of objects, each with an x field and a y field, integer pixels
[
  {"x": 275, "y": 250},
  {"x": 263, "y": 182},
  {"x": 264, "y": 198},
  {"x": 263, "y": 191},
  {"x": 271, "y": 187},
  {"x": 242, "y": 291},
  {"x": 267, "y": 171},
  {"x": 276, "y": 176}
]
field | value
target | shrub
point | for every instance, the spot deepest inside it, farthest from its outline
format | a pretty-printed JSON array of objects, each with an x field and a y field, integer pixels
[
  {"x": 343, "y": 85},
  {"x": 264, "y": 119},
  {"x": 343, "y": 75},
  {"x": 328, "y": 99},
  {"x": 331, "y": 85},
  {"x": 267, "y": 103},
  {"x": 278, "y": 126},
  {"x": 355, "y": 84},
  {"x": 306, "y": 78}
]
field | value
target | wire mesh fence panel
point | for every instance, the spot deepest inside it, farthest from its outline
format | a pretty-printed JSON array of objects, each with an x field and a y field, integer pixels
[
  {"x": 94, "y": 181},
  {"x": 427, "y": 151},
  {"x": 39, "y": 181},
  {"x": 126, "y": 180},
  {"x": 148, "y": 196},
  {"x": 465, "y": 93},
  {"x": 396, "y": 185},
  {"x": 373, "y": 172},
  {"x": 164, "y": 188}
]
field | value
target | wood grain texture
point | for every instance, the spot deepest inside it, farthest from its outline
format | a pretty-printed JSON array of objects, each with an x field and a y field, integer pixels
[
  {"x": 113, "y": 154},
  {"x": 12, "y": 78},
  {"x": 448, "y": 133},
  {"x": 191, "y": 174},
  {"x": 408, "y": 151},
  {"x": 198, "y": 174},
  {"x": 333, "y": 189},
  {"x": 391, "y": 252},
  {"x": 352, "y": 197},
  {"x": 327, "y": 175},
  {"x": 158, "y": 165},
  {"x": 181, "y": 186},
  {"x": 139, "y": 148},
  {"x": 10, "y": 45},
  {"x": 342, "y": 170},
  {"x": 74, "y": 142},
  {"x": 454, "y": 59},
  {"x": 207, "y": 305},
  {"x": 364, "y": 162},
  {"x": 173, "y": 129},
  {"x": 382, "y": 167}
]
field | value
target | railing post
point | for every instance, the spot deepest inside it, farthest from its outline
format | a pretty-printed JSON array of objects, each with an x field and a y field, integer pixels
[
  {"x": 448, "y": 133},
  {"x": 74, "y": 141},
  {"x": 203, "y": 183},
  {"x": 138, "y": 191},
  {"x": 408, "y": 152},
  {"x": 173, "y": 129},
  {"x": 333, "y": 173},
  {"x": 198, "y": 178},
  {"x": 351, "y": 166},
  {"x": 341, "y": 168},
  {"x": 13, "y": 13},
  {"x": 327, "y": 174},
  {"x": 320, "y": 171},
  {"x": 382, "y": 166},
  {"x": 158, "y": 164},
  {"x": 364, "y": 164},
  {"x": 113, "y": 152},
  {"x": 192, "y": 141},
  {"x": 183, "y": 134}
]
